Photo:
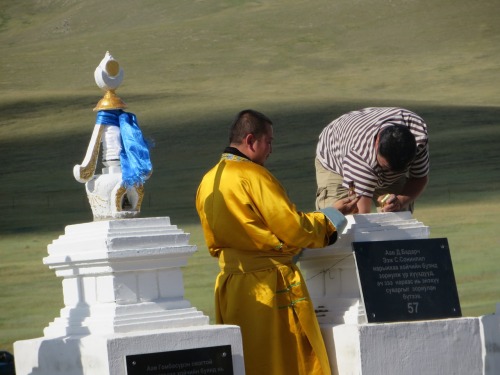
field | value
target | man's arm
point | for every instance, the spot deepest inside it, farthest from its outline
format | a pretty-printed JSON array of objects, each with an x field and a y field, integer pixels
[{"x": 364, "y": 205}]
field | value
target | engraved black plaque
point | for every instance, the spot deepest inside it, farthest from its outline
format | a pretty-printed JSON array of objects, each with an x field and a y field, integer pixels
[
  {"x": 407, "y": 280},
  {"x": 198, "y": 361}
]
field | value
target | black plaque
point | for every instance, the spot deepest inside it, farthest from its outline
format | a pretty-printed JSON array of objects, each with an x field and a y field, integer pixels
[
  {"x": 198, "y": 361},
  {"x": 407, "y": 280}
]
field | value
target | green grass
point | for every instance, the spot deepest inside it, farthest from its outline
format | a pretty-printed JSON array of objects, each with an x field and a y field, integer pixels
[
  {"x": 190, "y": 66},
  {"x": 31, "y": 295},
  {"x": 474, "y": 241}
]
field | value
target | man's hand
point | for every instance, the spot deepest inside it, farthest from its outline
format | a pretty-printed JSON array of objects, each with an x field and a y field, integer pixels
[
  {"x": 347, "y": 205},
  {"x": 411, "y": 191},
  {"x": 391, "y": 203}
]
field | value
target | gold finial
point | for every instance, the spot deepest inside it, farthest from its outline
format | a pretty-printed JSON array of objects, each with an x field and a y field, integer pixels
[{"x": 110, "y": 101}]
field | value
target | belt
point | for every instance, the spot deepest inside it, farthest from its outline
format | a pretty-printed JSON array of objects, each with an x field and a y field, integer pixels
[{"x": 243, "y": 261}]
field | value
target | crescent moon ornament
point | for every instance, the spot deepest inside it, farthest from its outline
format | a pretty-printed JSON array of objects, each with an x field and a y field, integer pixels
[{"x": 108, "y": 76}]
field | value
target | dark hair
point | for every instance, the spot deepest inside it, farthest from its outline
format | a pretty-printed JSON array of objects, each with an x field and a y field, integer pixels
[
  {"x": 398, "y": 146},
  {"x": 248, "y": 122}
]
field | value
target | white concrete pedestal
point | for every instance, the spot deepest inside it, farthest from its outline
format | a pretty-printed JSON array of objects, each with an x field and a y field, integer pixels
[
  {"x": 449, "y": 346},
  {"x": 462, "y": 346},
  {"x": 123, "y": 295},
  {"x": 330, "y": 272},
  {"x": 106, "y": 354}
]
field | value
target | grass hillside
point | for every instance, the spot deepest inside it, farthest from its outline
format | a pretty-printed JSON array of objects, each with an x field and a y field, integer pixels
[{"x": 190, "y": 66}]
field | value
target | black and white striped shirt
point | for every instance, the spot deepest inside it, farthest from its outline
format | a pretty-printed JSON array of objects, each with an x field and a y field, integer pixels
[{"x": 347, "y": 147}]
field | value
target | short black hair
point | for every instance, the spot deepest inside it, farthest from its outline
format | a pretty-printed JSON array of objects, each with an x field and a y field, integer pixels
[
  {"x": 246, "y": 122},
  {"x": 398, "y": 146}
]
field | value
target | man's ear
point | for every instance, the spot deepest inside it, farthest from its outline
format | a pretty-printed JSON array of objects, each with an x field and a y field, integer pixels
[
  {"x": 249, "y": 141},
  {"x": 377, "y": 141}
]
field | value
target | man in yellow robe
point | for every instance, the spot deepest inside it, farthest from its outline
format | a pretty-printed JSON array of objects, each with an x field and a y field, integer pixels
[{"x": 255, "y": 231}]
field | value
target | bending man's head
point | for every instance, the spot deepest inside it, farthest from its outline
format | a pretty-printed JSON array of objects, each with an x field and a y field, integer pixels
[{"x": 397, "y": 145}]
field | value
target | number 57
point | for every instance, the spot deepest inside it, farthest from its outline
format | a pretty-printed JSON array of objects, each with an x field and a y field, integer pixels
[{"x": 412, "y": 307}]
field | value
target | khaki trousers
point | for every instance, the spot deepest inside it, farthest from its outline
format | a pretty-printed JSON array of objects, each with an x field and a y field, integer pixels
[{"x": 330, "y": 188}]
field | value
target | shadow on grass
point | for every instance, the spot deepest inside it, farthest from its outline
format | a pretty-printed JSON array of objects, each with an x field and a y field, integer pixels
[
  {"x": 39, "y": 193},
  {"x": 19, "y": 109}
]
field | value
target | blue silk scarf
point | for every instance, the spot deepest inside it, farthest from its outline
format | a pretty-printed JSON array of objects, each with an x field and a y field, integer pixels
[{"x": 134, "y": 157}]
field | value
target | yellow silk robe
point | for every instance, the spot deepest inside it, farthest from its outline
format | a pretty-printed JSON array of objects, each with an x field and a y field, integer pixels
[{"x": 250, "y": 224}]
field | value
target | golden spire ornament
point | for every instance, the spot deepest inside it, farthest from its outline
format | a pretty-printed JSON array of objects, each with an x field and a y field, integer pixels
[{"x": 109, "y": 76}]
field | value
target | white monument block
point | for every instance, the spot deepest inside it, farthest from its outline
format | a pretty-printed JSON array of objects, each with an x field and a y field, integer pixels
[
  {"x": 330, "y": 272},
  {"x": 122, "y": 276},
  {"x": 123, "y": 295},
  {"x": 464, "y": 346},
  {"x": 448, "y": 346}
]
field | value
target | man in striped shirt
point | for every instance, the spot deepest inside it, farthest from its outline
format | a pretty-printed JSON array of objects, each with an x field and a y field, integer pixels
[{"x": 374, "y": 153}]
